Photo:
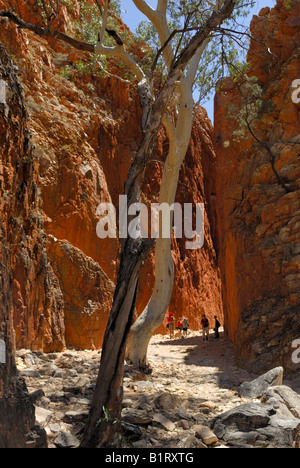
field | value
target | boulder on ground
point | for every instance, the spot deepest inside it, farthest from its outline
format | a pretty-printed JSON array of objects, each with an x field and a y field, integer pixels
[
  {"x": 257, "y": 425},
  {"x": 258, "y": 387},
  {"x": 285, "y": 399}
]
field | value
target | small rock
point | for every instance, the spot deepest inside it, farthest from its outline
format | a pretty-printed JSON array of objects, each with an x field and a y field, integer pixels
[
  {"x": 32, "y": 373},
  {"x": 140, "y": 444},
  {"x": 127, "y": 403},
  {"x": 75, "y": 416},
  {"x": 43, "y": 402},
  {"x": 135, "y": 416},
  {"x": 206, "y": 435},
  {"x": 191, "y": 442},
  {"x": 42, "y": 416},
  {"x": 144, "y": 400},
  {"x": 36, "y": 395},
  {"x": 78, "y": 387},
  {"x": 54, "y": 428},
  {"x": 208, "y": 405},
  {"x": 166, "y": 401},
  {"x": 65, "y": 440},
  {"x": 181, "y": 414},
  {"x": 161, "y": 420},
  {"x": 58, "y": 374},
  {"x": 205, "y": 410},
  {"x": 131, "y": 431},
  {"x": 22, "y": 353},
  {"x": 29, "y": 360},
  {"x": 258, "y": 387},
  {"x": 184, "y": 424},
  {"x": 48, "y": 369}
]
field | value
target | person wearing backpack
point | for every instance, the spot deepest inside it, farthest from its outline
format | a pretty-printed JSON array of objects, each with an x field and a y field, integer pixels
[
  {"x": 205, "y": 327},
  {"x": 185, "y": 326},
  {"x": 216, "y": 329}
]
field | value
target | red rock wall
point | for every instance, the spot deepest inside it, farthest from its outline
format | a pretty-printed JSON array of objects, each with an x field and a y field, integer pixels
[
  {"x": 197, "y": 289},
  {"x": 85, "y": 131},
  {"x": 258, "y": 222},
  {"x": 28, "y": 288}
]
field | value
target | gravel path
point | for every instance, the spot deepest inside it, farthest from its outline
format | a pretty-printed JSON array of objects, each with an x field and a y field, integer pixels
[{"x": 192, "y": 381}]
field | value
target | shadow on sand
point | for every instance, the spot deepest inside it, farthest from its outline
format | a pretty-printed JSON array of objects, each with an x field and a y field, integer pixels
[{"x": 217, "y": 355}]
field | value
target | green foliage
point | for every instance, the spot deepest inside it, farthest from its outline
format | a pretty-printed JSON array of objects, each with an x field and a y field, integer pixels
[
  {"x": 225, "y": 55},
  {"x": 107, "y": 418},
  {"x": 251, "y": 109},
  {"x": 288, "y": 4},
  {"x": 89, "y": 23}
]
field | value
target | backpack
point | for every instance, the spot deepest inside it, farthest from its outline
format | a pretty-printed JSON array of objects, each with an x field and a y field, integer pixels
[{"x": 185, "y": 323}]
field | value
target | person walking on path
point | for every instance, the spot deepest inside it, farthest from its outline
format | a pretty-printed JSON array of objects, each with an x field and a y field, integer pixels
[
  {"x": 216, "y": 329},
  {"x": 171, "y": 324},
  {"x": 179, "y": 326},
  {"x": 185, "y": 326},
  {"x": 205, "y": 327}
]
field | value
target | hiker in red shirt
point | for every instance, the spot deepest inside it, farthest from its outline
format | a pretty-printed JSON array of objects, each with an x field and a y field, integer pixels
[
  {"x": 171, "y": 325},
  {"x": 179, "y": 326},
  {"x": 205, "y": 327}
]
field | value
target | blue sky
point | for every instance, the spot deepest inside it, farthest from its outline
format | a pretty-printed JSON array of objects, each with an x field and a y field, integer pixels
[{"x": 132, "y": 17}]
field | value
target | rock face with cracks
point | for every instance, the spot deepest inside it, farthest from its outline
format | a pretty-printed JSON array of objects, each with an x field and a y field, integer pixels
[
  {"x": 84, "y": 126},
  {"x": 22, "y": 259},
  {"x": 63, "y": 133},
  {"x": 258, "y": 219}
]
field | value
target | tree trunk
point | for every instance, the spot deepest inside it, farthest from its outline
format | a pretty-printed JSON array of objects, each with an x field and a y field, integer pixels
[
  {"x": 155, "y": 311},
  {"x": 104, "y": 418}
]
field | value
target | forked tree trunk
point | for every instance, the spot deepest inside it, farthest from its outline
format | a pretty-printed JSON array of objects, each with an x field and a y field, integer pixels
[
  {"x": 104, "y": 418},
  {"x": 155, "y": 311}
]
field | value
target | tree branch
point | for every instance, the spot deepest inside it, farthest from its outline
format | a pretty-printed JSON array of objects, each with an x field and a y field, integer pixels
[
  {"x": 210, "y": 25},
  {"x": 104, "y": 20},
  {"x": 162, "y": 6},
  {"x": 99, "y": 7},
  {"x": 118, "y": 51},
  {"x": 146, "y": 9},
  {"x": 159, "y": 19},
  {"x": 45, "y": 32}
]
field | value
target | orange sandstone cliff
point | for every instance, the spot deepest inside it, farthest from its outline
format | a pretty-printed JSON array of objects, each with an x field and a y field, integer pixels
[
  {"x": 30, "y": 298},
  {"x": 85, "y": 130},
  {"x": 259, "y": 219}
]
